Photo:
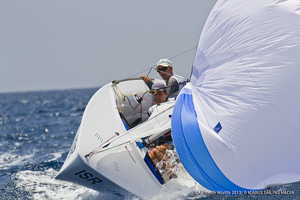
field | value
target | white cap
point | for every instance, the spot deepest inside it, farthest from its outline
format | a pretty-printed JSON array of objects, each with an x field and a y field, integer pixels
[
  {"x": 164, "y": 62},
  {"x": 159, "y": 86}
]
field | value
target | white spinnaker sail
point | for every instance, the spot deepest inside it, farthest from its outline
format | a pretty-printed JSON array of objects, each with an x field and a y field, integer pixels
[{"x": 236, "y": 124}]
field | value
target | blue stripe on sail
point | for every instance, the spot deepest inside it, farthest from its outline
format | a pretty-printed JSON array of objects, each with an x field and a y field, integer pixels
[{"x": 192, "y": 150}]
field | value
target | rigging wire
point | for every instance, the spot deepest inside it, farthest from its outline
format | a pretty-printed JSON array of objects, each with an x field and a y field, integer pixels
[
  {"x": 153, "y": 67},
  {"x": 183, "y": 53}
]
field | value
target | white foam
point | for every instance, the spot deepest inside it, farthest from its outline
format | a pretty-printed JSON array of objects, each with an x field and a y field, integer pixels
[
  {"x": 181, "y": 187},
  {"x": 55, "y": 156},
  {"x": 42, "y": 185},
  {"x": 7, "y": 160},
  {"x": 24, "y": 101}
]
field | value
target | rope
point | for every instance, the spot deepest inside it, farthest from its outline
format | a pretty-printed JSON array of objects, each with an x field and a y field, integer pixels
[
  {"x": 101, "y": 145},
  {"x": 129, "y": 154},
  {"x": 146, "y": 99},
  {"x": 120, "y": 95},
  {"x": 183, "y": 52},
  {"x": 143, "y": 71}
]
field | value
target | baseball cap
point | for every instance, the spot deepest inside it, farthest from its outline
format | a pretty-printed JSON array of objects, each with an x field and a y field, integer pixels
[
  {"x": 159, "y": 86},
  {"x": 164, "y": 62}
]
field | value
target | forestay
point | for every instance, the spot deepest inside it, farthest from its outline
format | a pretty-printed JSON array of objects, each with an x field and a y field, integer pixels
[{"x": 236, "y": 124}]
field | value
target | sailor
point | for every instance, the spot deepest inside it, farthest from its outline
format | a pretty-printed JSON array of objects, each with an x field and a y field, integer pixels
[
  {"x": 174, "y": 82},
  {"x": 160, "y": 95},
  {"x": 158, "y": 153}
]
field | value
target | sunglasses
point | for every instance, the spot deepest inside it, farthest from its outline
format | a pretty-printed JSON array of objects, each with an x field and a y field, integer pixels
[
  {"x": 153, "y": 92},
  {"x": 162, "y": 69}
]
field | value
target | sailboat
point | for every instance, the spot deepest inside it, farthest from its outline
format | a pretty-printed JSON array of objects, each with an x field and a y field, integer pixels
[
  {"x": 110, "y": 150},
  {"x": 234, "y": 125}
]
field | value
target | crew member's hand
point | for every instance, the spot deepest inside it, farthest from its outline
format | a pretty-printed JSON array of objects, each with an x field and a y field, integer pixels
[{"x": 145, "y": 78}]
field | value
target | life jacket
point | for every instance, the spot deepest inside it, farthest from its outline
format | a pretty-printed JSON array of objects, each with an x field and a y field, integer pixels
[{"x": 181, "y": 81}]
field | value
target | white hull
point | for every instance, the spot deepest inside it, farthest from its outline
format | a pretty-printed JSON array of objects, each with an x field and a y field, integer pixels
[{"x": 118, "y": 165}]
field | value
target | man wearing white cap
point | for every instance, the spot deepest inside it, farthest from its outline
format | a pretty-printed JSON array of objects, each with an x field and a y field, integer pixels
[
  {"x": 160, "y": 95},
  {"x": 174, "y": 82}
]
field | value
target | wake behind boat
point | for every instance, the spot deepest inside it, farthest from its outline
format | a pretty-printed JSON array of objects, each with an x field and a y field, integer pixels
[{"x": 105, "y": 155}]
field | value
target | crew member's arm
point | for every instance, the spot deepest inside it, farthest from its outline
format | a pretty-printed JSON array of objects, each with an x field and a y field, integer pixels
[{"x": 148, "y": 81}]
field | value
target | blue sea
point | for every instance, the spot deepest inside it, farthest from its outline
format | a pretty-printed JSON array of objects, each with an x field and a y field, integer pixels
[{"x": 36, "y": 133}]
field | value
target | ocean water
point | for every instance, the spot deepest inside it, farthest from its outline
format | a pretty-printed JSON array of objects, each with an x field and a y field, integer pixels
[{"x": 36, "y": 133}]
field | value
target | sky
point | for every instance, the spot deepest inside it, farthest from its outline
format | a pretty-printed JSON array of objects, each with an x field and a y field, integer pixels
[{"x": 56, "y": 45}]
